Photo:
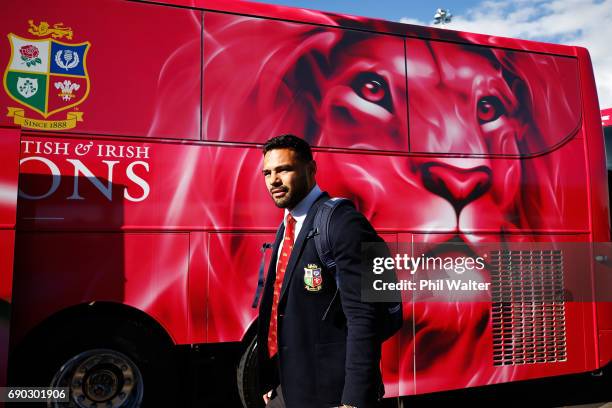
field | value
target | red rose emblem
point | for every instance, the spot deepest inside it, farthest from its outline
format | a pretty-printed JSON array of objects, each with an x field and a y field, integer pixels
[{"x": 29, "y": 51}]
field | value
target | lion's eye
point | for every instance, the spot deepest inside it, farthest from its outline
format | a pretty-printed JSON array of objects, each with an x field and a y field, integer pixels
[
  {"x": 373, "y": 88},
  {"x": 489, "y": 108},
  {"x": 373, "y": 91}
]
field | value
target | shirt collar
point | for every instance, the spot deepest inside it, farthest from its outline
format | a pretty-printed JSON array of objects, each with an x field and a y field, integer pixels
[{"x": 299, "y": 211}]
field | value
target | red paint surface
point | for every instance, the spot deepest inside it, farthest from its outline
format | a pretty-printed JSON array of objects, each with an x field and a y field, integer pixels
[
  {"x": 9, "y": 172},
  {"x": 147, "y": 271}
]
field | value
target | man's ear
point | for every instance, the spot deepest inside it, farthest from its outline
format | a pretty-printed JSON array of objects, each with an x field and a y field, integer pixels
[{"x": 313, "y": 167}]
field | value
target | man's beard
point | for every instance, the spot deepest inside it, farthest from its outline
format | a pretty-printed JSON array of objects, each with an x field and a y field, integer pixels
[{"x": 291, "y": 198}]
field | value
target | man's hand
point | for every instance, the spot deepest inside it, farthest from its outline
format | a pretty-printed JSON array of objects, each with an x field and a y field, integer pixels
[{"x": 267, "y": 396}]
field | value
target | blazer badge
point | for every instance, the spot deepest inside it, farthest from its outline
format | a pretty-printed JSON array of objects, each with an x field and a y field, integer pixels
[{"x": 313, "y": 279}]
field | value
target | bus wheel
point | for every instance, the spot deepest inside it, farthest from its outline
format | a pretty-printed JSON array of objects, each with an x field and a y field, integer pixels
[
  {"x": 103, "y": 363},
  {"x": 101, "y": 376},
  {"x": 247, "y": 377}
]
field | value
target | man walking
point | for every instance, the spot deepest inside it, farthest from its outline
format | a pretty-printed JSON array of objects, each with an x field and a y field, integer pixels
[{"x": 317, "y": 346}]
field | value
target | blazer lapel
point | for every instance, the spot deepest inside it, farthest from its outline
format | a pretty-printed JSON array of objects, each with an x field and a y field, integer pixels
[
  {"x": 299, "y": 243},
  {"x": 275, "y": 247},
  {"x": 265, "y": 303}
]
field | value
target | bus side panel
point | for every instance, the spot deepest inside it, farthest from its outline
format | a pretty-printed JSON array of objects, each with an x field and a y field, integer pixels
[
  {"x": 600, "y": 206},
  {"x": 57, "y": 270},
  {"x": 220, "y": 188},
  {"x": 605, "y": 347},
  {"x": 405, "y": 345},
  {"x": 198, "y": 287},
  {"x": 596, "y": 152},
  {"x": 603, "y": 301},
  {"x": 234, "y": 260},
  {"x": 107, "y": 185},
  {"x": 474, "y": 342},
  {"x": 9, "y": 157},
  {"x": 152, "y": 192}
]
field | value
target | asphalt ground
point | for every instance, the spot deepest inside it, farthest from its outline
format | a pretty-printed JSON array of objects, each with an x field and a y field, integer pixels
[
  {"x": 576, "y": 391},
  {"x": 581, "y": 390}
]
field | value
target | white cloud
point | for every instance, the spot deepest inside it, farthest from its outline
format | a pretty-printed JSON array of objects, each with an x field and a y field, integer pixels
[{"x": 587, "y": 23}]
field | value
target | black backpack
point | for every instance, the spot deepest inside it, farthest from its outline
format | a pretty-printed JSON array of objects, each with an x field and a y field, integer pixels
[{"x": 389, "y": 314}]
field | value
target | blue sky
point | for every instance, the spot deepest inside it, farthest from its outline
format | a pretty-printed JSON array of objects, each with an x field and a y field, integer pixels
[
  {"x": 385, "y": 9},
  {"x": 587, "y": 23}
]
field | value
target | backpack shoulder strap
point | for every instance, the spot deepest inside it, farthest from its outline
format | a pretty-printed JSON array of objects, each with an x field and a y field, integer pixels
[
  {"x": 322, "y": 222},
  {"x": 262, "y": 264}
]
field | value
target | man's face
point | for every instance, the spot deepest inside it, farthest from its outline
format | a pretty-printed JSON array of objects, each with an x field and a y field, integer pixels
[{"x": 288, "y": 178}]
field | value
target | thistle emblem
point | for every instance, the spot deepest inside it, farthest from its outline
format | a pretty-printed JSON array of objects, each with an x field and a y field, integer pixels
[{"x": 66, "y": 59}]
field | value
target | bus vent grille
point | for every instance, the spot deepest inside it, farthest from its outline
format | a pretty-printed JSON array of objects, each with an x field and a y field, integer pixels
[{"x": 528, "y": 309}]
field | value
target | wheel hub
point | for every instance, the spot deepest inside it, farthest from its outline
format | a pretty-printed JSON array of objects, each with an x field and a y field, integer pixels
[{"x": 101, "y": 378}]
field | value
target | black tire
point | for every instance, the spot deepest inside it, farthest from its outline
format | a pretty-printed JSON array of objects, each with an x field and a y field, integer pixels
[
  {"x": 124, "y": 363},
  {"x": 246, "y": 376}
]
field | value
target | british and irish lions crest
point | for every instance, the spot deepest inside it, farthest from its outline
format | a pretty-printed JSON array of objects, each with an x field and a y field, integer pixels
[
  {"x": 48, "y": 76},
  {"x": 313, "y": 280}
]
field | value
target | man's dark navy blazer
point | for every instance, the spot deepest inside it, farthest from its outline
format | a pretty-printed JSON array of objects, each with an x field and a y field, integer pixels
[{"x": 323, "y": 363}]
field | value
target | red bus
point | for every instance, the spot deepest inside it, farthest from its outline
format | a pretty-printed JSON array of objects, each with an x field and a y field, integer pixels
[{"x": 141, "y": 213}]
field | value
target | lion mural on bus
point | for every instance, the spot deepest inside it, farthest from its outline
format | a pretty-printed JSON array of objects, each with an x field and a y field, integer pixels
[{"x": 434, "y": 140}]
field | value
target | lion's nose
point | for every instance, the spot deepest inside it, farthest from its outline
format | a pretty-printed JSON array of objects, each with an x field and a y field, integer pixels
[{"x": 459, "y": 186}]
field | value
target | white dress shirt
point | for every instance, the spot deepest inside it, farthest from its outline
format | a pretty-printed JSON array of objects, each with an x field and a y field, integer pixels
[{"x": 300, "y": 211}]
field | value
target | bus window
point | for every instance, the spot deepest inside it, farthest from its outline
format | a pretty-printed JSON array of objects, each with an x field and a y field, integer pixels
[
  {"x": 334, "y": 87},
  {"x": 468, "y": 99},
  {"x": 134, "y": 79},
  {"x": 608, "y": 141}
]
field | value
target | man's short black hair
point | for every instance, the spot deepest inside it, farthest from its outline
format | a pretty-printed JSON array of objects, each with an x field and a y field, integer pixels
[{"x": 289, "y": 141}]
